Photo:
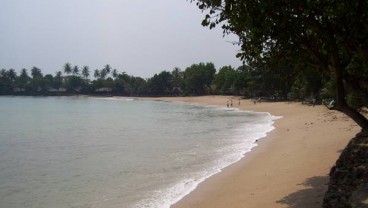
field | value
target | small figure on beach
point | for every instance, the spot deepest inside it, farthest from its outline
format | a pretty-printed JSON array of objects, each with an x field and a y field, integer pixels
[
  {"x": 231, "y": 103},
  {"x": 314, "y": 102},
  {"x": 227, "y": 103},
  {"x": 239, "y": 102},
  {"x": 257, "y": 100},
  {"x": 331, "y": 104}
]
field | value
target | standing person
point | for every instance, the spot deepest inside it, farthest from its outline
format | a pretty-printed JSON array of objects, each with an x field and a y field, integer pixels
[
  {"x": 314, "y": 101},
  {"x": 227, "y": 103},
  {"x": 239, "y": 102},
  {"x": 231, "y": 103}
]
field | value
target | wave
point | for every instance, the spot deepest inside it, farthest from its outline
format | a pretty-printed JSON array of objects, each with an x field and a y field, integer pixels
[{"x": 244, "y": 139}]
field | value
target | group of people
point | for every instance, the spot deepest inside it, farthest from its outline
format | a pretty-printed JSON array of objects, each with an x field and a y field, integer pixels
[{"x": 230, "y": 104}]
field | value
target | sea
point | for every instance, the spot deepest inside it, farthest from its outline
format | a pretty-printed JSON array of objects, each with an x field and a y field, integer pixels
[{"x": 86, "y": 152}]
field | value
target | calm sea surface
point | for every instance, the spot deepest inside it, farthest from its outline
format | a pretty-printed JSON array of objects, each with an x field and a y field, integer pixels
[{"x": 68, "y": 152}]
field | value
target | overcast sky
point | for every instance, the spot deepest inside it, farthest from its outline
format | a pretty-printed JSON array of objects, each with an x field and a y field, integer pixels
[{"x": 140, "y": 37}]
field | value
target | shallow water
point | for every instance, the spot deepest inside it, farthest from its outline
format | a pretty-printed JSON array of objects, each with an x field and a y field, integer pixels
[{"x": 113, "y": 152}]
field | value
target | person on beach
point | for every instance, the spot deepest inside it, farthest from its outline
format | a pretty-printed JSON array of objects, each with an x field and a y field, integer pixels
[
  {"x": 227, "y": 103},
  {"x": 239, "y": 102},
  {"x": 231, "y": 103},
  {"x": 331, "y": 104},
  {"x": 314, "y": 101}
]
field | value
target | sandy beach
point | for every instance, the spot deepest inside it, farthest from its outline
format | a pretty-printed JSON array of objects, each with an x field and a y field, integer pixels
[{"x": 288, "y": 168}]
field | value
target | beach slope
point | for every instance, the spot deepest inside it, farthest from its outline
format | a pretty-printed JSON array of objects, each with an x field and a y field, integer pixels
[{"x": 289, "y": 168}]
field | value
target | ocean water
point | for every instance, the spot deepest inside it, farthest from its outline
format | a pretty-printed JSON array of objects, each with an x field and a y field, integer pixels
[{"x": 69, "y": 152}]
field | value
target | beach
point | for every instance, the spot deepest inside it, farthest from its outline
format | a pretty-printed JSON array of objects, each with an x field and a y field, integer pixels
[{"x": 288, "y": 168}]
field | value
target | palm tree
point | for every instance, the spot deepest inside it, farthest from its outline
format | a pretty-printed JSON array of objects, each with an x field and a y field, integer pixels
[
  {"x": 85, "y": 72},
  {"x": 75, "y": 70},
  {"x": 24, "y": 75},
  {"x": 114, "y": 73},
  {"x": 107, "y": 69},
  {"x": 97, "y": 74},
  {"x": 67, "y": 68},
  {"x": 58, "y": 74},
  {"x": 58, "y": 80},
  {"x": 36, "y": 72},
  {"x": 12, "y": 74}
]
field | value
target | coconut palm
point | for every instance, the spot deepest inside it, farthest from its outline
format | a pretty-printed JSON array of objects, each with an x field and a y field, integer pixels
[
  {"x": 85, "y": 72},
  {"x": 114, "y": 73},
  {"x": 36, "y": 72},
  {"x": 12, "y": 74},
  {"x": 67, "y": 68},
  {"x": 107, "y": 68},
  {"x": 75, "y": 70},
  {"x": 97, "y": 74}
]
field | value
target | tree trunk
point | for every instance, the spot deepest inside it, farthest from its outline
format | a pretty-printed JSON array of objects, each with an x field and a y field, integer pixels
[{"x": 341, "y": 104}]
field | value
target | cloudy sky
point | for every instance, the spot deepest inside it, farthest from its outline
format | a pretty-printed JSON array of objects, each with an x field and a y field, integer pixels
[{"x": 140, "y": 37}]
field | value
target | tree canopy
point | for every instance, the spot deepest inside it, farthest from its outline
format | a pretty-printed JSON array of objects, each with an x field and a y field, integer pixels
[{"x": 327, "y": 36}]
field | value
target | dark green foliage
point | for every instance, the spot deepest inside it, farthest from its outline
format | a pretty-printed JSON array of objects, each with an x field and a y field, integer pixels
[
  {"x": 73, "y": 83},
  {"x": 67, "y": 68},
  {"x": 36, "y": 72},
  {"x": 198, "y": 78},
  {"x": 160, "y": 84},
  {"x": 85, "y": 72},
  {"x": 328, "y": 36}
]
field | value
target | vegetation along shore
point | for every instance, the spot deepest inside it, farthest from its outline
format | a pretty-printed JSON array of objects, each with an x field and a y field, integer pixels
[{"x": 311, "y": 51}]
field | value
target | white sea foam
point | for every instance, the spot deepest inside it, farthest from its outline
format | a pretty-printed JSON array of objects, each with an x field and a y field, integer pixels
[
  {"x": 114, "y": 98},
  {"x": 244, "y": 139}
]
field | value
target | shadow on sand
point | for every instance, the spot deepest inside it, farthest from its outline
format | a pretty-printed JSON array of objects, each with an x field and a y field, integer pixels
[{"x": 310, "y": 196}]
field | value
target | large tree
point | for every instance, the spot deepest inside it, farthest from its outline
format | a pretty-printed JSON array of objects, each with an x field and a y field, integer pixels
[
  {"x": 75, "y": 70},
  {"x": 161, "y": 84},
  {"x": 68, "y": 68},
  {"x": 85, "y": 72},
  {"x": 36, "y": 72},
  {"x": 198, "y": 78},
  {"x": 330, "y": 36}
]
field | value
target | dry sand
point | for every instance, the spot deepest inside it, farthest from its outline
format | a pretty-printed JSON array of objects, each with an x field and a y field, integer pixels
[{"x": 289, "y": 168}]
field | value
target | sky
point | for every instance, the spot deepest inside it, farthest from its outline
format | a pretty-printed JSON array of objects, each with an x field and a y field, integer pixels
[{"x": 139, "y": 37}]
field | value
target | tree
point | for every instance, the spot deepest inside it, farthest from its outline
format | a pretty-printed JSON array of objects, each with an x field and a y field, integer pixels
[
  {"x": 161, "y": 84},
  {"x": 12, "y": 75},
  {"x": 198, "y": 78},
  {"x": 67, "y": 68},
  {"x": 58, "y": 80},
  {"x": 115, "y": 73},
  {"x": 24, "y": 75},
  {"x": 107, "y": 68},
  {"x": 97, "y": 74},
  {"x": 85, "y": 72},
  {"x": 225, "y": 79},
  {"x": 73, "y": 83},
  {"x": 327, "y": 35},
  {"x": 23, "y": 79},
  {"x": 38, "y": 83},
  {"x": 75, "y": 70},
  {"x": 7, "y": 80},
  {"x": 36, "y": 72},
  {"x": 49, "y": 80},
  {"x": 177, "y": 79},
  {"x": 105, "y": 71}
]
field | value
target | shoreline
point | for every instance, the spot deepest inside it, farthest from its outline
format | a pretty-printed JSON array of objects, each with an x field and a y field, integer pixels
[{"x": 288, "y": 167}]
